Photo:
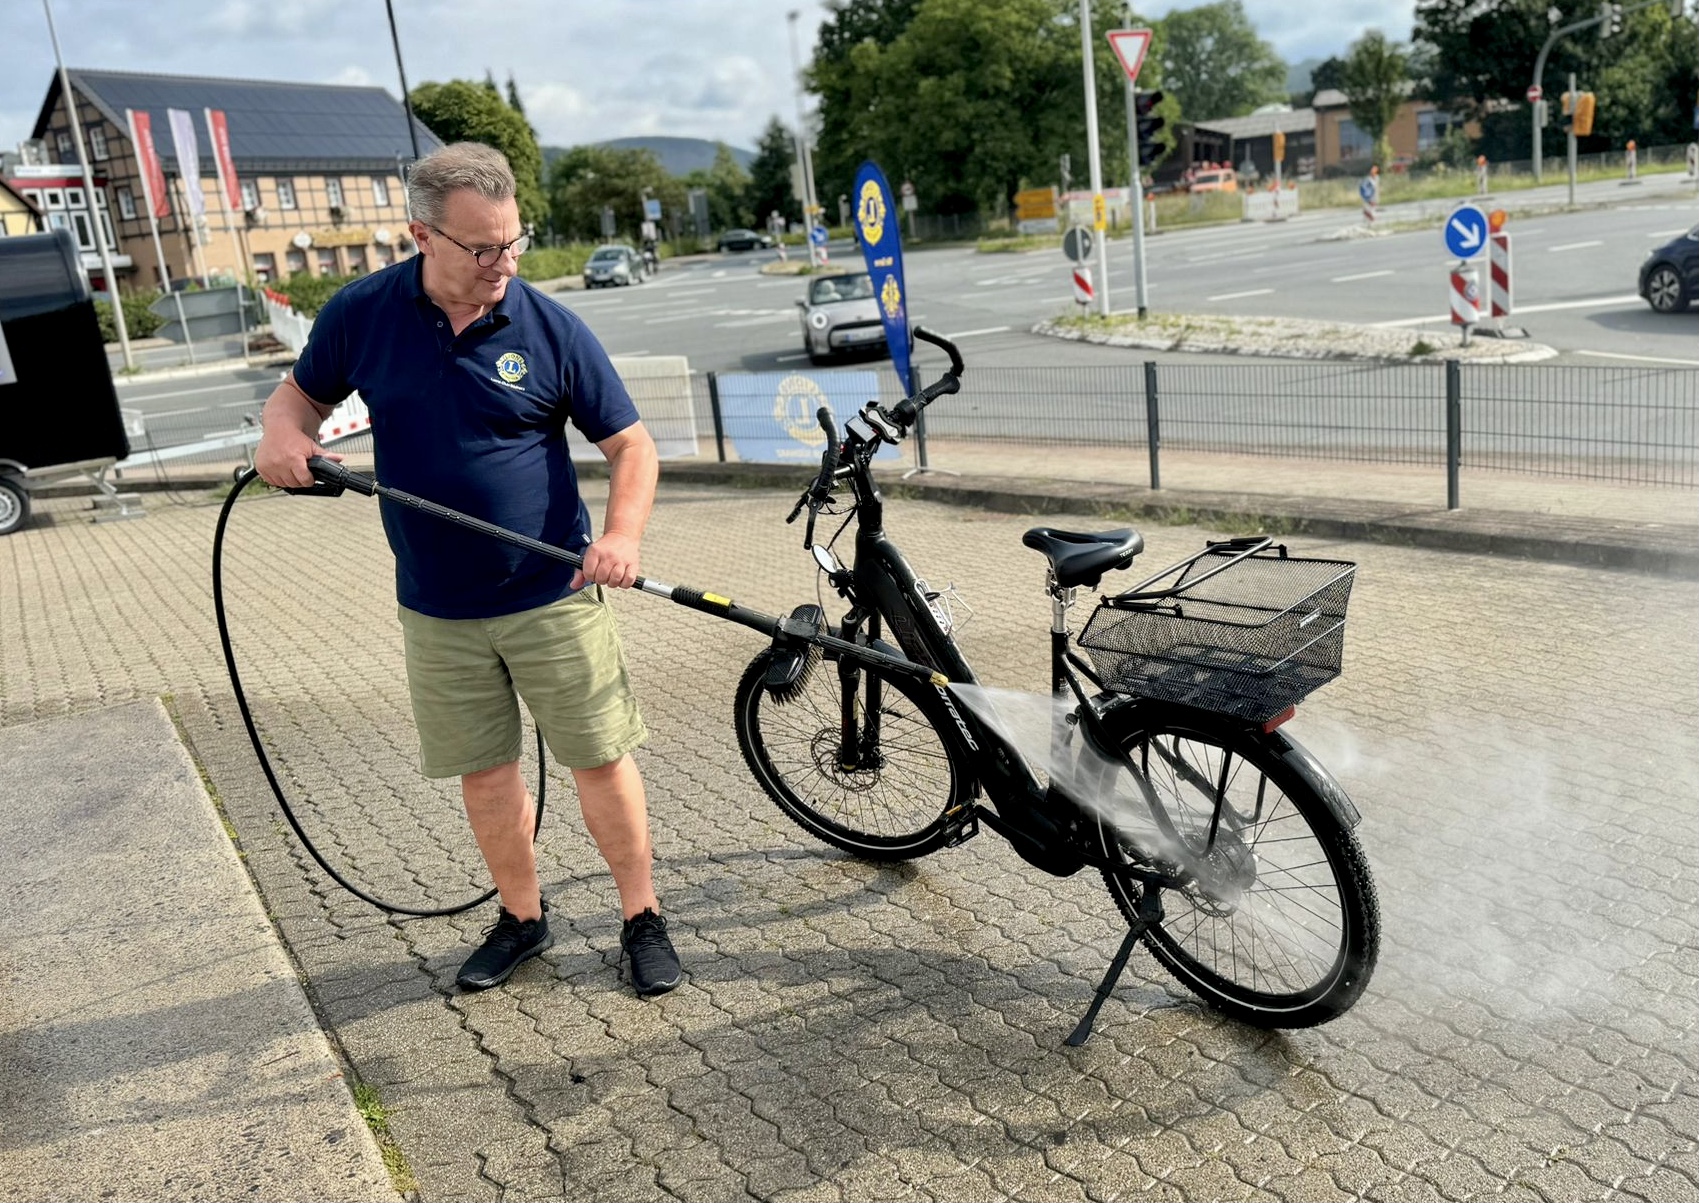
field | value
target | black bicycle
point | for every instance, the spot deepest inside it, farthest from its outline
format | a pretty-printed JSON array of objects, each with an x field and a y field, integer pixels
[
  {"x": 1226, "y": 846},
  {"x": 1224, "y": 843}
]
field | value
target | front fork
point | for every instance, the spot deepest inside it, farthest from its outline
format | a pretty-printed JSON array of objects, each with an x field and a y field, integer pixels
[{"x": 858, "y": 733}]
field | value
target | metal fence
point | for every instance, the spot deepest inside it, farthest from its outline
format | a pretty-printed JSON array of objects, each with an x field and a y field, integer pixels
[{"x": 1629, "y": 425}]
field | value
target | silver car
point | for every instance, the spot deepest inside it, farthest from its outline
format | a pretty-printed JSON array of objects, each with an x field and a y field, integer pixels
[
  {"x": 840, "y": 315},
  {"x": 613, "y": 265}
]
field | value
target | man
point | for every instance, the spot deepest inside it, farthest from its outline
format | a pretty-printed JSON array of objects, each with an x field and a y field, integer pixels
[{"x": 470, "y": 376}]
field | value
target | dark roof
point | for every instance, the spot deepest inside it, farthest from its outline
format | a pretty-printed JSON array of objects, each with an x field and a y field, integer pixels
[
  {"x": 273, "y": 126},
  {"x": 1262, "y": 125}
]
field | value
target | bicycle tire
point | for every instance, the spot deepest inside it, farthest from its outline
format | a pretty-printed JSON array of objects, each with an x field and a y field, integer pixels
[
  {"x": 891, "y": 810},
  {"x": 1280, "y": 927}
]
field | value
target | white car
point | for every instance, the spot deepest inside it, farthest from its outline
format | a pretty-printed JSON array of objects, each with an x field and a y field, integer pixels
[{"x": 840, "y": 316}]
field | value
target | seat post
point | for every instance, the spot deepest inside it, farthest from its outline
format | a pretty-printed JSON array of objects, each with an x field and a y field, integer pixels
[{"x": 1061, "y": 601}]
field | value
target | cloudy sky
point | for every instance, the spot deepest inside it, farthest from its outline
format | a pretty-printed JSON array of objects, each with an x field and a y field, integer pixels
[{"x": 587, "y": 70}]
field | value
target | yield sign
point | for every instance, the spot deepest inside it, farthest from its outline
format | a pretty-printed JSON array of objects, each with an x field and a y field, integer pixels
[{"x": 1129, "y": 46}]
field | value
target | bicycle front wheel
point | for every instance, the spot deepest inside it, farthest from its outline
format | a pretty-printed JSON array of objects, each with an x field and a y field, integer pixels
[
  {"x": 1278, "y": 924},
  {"x": 886, "y": 795}
]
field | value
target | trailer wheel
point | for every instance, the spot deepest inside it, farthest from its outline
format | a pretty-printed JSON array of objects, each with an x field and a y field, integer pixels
[{"x": 14, "y": 505}]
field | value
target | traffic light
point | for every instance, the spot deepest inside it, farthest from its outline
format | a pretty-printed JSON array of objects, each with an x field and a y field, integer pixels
[
  {"x": 1149, "y": 126},
  {"x": 1610, "y": 19},
  {"x": 1583, "y": 120}
]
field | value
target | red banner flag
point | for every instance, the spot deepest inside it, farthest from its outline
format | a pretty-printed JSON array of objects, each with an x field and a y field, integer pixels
[
  {"x": 153, "y": 174},
  {"x": 220, "y": 134}
]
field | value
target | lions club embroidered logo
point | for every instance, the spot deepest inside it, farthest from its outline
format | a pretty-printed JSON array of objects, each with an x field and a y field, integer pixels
[{"x": 511, "y": 366}]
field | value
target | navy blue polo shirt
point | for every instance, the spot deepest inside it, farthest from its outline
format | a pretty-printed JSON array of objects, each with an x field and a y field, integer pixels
[{"x": 474, "y": 421}]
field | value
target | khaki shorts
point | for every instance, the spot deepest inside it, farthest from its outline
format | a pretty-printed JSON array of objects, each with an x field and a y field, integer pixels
[{"x": 563, "y": 659}]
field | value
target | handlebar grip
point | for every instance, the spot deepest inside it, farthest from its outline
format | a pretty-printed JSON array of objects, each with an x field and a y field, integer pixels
[
  {"x": 829, "y": 457},
  {"x": 949, "y": 348}
]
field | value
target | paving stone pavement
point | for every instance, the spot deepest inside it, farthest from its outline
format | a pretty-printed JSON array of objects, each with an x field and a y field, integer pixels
[{"x": 1522, "y": 738}]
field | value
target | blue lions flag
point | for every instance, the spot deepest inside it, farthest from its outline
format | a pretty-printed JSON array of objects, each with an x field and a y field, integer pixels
[{"x": 882, "y": 248}]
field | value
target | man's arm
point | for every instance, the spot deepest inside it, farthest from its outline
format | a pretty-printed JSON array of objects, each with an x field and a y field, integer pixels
[
  {"x": 289, "y": 434},
  {"x": 633, "y": 468}
]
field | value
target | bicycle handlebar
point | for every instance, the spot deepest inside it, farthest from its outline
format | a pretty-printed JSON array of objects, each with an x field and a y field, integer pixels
[{"x": 908, "y": 409}]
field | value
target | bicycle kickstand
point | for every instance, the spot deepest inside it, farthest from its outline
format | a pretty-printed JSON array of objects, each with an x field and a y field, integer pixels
[{"x": 1149, "y": 915}]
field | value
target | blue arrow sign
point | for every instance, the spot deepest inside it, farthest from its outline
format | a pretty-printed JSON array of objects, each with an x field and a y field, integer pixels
[
  {"x": 817, "y": 235},
  {"x": 1466, "y": 232}
]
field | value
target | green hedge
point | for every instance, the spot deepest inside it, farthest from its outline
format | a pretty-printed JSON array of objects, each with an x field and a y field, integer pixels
[
  {"x": 308, "y": 293},
  {"x": 139, "y": 320}
]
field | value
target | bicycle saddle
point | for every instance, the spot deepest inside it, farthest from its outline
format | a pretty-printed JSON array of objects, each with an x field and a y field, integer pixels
[{"x": 1082, "y": 559}]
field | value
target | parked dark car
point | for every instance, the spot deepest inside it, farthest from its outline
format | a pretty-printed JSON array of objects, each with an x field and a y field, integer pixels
[
  {"x": 840, "y": 315},
  {"x": 613, "y": 265},
  {"x": 745, "y": 240},
  {"x": 1669, "y": 278}
]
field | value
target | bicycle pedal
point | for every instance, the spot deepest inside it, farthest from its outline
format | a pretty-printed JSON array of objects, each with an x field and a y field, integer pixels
[{"x": 964, "y": 828}]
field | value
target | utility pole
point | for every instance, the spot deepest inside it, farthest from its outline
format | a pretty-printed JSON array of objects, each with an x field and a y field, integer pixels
[
  {"x": 1608, "y": 13},
  {"x": 805, "y": 162},
  {"x": 1574, "y": 108},
  {"x": 70, "y": 101},
  {"x": 1135, "y": 182},
  {"x": 1097, "y": 220}
]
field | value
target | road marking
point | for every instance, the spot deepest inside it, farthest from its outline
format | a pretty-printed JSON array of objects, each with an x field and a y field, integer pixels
[
  {"x": 1234, "y": 296},
  {"x": 701, "y": 292},
  {"x": 755, "y": 321},
  {"x": 1590, "y": 303},
  {"x": 177, "y": 413},
  {"x": 1227, "y": 255},
  {"x": 1653, "y": 234},
  {"x": 1685, "y": 363},
  {"x": 627, "y": 354},
  {"x": 976, "y": 333},
  {"x": 1053, "y": 300},
  {"x": 1575, "y": 246},
  {"x": 804, "y": 355},
  {"x": 1361, "y": 276},
  {"x": 190, "y": 392}
]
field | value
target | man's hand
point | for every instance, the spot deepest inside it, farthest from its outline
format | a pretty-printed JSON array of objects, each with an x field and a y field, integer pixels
[
  {"x": 610, "y": 560},
  {"x": 281, "y": 457},
  {"x": 289, "y": 425}
]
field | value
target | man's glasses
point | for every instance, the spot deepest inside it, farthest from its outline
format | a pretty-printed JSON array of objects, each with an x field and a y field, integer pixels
[{"x": 491, "y": 255}]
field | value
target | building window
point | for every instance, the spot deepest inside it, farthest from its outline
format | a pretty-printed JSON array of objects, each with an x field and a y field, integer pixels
[
  {"x": 327, "y": 260},
  {"x": 380, "y": 193},
  {"x": 265, "y": 267},
  {"x": 106, "y": 228},
  {"x": 84, "y": 231},
  {"x": 97, "y": 142},
  {"x": 126, "y": 204},
  {"x": 295, "y": 261},
  {"x": 53, "y": 198},
  {"x": 356, "y": 260},
  {"x": 67, "y": 148},
  {"x": 286, "y": 194},
  {"x": 33, "y": 196},
  {"x": 74, "y": 199},
  {"x": 1432, "y": 127},
  {"x": 250, "y": 195},
  {"x": 384, "y": 256},
  {"x": 333, "y": 193},
  {"x": 58, "y": 221},
  {"x": 1353, "y": 142}
]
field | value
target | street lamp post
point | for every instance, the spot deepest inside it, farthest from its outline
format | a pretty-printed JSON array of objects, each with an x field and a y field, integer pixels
[{"x": 70, "y": 100}]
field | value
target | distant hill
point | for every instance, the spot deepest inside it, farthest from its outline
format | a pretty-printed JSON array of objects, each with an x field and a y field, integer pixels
[
  {"x": 678, "y": 156},
  {"x": 1298, "y": 74}
]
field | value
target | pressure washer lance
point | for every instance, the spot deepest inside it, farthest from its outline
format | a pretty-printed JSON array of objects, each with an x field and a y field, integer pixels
[{"x": 804, "y": 629}]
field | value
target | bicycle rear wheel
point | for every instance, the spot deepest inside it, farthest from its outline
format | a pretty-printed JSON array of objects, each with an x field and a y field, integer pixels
[
  {"x": 889, "y": 804},
  {"x": 1279, "y": 925}
]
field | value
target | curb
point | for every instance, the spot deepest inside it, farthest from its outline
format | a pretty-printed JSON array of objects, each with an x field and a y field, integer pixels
[{"x": 1653, "y": 548}]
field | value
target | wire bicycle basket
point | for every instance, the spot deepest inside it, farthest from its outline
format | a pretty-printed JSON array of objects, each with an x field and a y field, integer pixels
[{"x": 1244, "y": 630}]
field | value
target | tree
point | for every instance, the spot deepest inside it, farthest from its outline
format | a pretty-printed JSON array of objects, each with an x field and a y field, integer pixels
[
  {"x": 1329, "y": 75},
  {"x": 587, "y": 179},
  {"x": 727, "y": 186},
  {"x": 1214, "y": 63},
  {"x": 1377, "y": 84},
  {"x": 1480, "y": 60},
  {"x": 460, "y": 111},
  {"x": 770, "y": 174}
]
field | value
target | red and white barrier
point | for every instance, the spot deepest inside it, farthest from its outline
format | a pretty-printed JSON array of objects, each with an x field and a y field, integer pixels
[
  {"x": 1480, "y": 175},
  {"x": 1500, "y": 293},
  {"x": 1082, "y": 285},
  {"x": 1633, "y": 162},
  {"x": 1465, "y": 298}
]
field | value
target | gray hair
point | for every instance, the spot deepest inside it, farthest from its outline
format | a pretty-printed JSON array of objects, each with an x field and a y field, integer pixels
[{"x": 459, "y": 165}]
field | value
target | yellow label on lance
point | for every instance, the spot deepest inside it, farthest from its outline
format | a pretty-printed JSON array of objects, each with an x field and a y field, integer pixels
[{"x": 1099, "y": 211}]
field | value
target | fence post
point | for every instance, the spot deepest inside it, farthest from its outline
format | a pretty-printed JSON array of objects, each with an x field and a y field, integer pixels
[
  {"x": 1153, "y": 424},
  {"x": 1453, "y": 431},
  {"x": 920, "y": 440},
  {"x": 719, "y": 422}
]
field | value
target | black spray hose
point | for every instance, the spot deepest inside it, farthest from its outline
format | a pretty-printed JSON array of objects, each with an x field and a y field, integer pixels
[
  {"x": 333, "y": 478},
  {"x": 242, "y": 482}
]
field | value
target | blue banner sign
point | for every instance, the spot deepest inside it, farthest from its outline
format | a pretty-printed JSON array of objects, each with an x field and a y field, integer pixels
[
  {"x": 770, "y": 415},
  {"x": 882, "y": 248}
]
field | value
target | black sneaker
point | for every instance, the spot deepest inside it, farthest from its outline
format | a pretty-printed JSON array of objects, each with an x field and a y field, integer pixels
[
  {"x": 654, "y": 964},
  {"x": 508, "y": 943}
]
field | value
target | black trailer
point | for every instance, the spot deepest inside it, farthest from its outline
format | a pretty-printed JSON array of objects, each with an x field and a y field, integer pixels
[{"x": 59, "y": 412}]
